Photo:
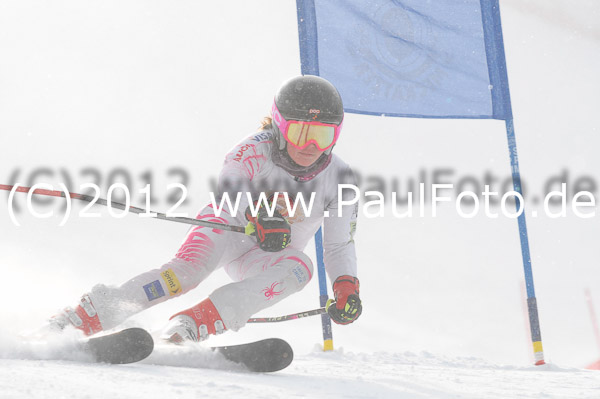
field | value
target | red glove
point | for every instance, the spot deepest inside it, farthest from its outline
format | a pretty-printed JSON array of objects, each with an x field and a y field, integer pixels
[
  {"x": 273, "y": 233},
  {"x": 348, "y": 305}
]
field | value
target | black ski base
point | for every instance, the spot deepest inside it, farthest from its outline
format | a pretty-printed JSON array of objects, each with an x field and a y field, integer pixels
[
  {"x": 134, "y": 344},
  {"x": 267, "y": 355},
  {"x": 126, "y": 346}
]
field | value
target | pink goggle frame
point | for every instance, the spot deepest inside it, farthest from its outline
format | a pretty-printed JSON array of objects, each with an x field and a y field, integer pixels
[{"x": 301, "y": 133}]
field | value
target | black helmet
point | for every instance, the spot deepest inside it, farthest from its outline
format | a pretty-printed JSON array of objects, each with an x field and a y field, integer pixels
[
  {"x": 303, "y": 97},
  {"x": 307, "y": 98}
]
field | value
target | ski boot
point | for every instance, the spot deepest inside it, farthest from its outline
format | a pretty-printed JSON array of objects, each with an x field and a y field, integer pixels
[
  {"x": 194, "y": 324},
  {"x": 84, "y": 317}
]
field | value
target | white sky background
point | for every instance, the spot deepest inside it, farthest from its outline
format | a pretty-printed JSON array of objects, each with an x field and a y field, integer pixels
[{"x": 152, "y": 85}]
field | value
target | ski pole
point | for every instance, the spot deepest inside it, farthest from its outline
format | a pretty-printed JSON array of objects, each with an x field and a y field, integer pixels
[
  {"x": 294, "y": 316},
  {"x": 133, "y": 209},
  {"x": 162, "y": 216}
]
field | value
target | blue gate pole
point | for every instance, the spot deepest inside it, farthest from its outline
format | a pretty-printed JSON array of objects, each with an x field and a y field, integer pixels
[
  {"x": 325, "y": 319},
  {"x": 534, "y": 322}
]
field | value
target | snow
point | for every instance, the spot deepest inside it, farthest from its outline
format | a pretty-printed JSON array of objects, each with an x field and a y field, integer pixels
[
  {"x": 146, "y": 87},
  {"x": 311, "y": 375}
]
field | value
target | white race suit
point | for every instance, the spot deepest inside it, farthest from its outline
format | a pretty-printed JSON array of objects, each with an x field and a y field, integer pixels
[{"x": 261, "y": 278}]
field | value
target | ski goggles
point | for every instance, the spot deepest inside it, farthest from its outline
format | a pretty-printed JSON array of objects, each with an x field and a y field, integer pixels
[{"x": 301, "y": 133}]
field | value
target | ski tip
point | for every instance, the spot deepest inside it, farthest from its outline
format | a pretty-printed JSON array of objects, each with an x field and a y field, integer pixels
[
  {"x": 122, "y": 347},
  {"x": 285, "y": 355},
  {"x": 265, "y": 356}
]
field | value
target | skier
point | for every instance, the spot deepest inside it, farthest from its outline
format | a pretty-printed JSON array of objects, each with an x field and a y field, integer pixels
[{"x": 292, "y": 154}]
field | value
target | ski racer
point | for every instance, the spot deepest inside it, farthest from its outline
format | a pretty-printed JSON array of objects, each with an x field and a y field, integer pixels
[{"x": 286, "y": 162}]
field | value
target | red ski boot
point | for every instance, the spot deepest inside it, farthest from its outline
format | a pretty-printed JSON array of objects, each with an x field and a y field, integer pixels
[
  {"x": 84, "y": 318},
  {"x": 195, "y": 324}
]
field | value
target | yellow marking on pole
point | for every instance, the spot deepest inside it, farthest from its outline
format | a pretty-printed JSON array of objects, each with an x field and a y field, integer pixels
[{"x": 327, "y": 345}]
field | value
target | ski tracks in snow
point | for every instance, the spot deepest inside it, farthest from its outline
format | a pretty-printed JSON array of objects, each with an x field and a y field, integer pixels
[{"x": 314, "y": 375}]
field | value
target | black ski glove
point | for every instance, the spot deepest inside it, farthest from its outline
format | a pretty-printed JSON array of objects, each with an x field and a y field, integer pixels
[
  {"x": 273, "y": 233},
  {"x": 347, "y": 306}
]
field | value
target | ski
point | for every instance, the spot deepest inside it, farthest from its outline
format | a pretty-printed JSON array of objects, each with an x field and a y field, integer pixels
[
  {"x": 265, "y": 356},
  {"x": 126, "y": 346},
  {"x": 135, "y": 344}
]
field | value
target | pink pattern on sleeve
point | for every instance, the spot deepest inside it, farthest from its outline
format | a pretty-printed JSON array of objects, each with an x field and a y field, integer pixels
[{"x": 247, "y": 159}]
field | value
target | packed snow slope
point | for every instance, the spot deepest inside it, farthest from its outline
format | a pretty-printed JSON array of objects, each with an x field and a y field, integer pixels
[
  {"x": 313, "y": 375},
  {"x": 151, "y": 91}
]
